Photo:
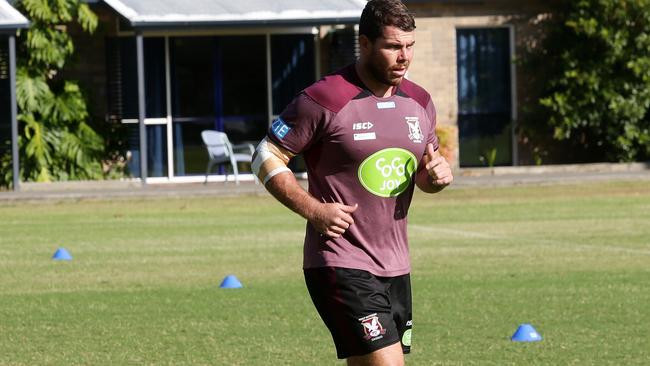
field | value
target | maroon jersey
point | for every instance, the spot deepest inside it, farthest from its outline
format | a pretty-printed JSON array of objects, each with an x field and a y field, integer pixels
[{"x": 360, "y": 149}]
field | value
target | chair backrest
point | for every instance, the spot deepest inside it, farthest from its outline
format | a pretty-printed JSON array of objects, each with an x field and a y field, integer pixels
[{"x": 217, "y": 143}]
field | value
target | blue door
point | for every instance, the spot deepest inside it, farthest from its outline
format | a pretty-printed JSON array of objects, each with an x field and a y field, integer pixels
[{"x": 484, "y": 97}]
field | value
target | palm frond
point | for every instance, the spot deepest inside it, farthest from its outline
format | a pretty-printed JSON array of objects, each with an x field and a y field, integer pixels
[
  {"x": 69, "y": 106},
  {"x": 87, "y": 18},
  {"x": 39, "y": 9},
  {"x": 31, "y": 91}
]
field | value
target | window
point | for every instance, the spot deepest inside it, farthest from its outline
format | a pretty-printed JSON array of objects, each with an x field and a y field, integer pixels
[
  {"x": 484, "y": 97},
  {"x": 215, "y": 82},
  {"x": 193, "y": 72},
  {"x": 123, "y": 98},
  {"x": 292, "y": 67},
  {"x": 156, "y": 150},
  {"x": 218, "y": 83},
  {"x": 5, "y": 98},
  {"x": 243, "y": 87},
  {"x": 342, "y": 47},
  {"x": 123, "y": 78}
]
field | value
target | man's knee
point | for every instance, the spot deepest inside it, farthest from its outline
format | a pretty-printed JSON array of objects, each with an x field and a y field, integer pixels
[{"x": 387, "y": 356}]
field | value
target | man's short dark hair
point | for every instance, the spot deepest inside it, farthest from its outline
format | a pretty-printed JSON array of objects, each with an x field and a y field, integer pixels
[{"x": 381, "y": 13}]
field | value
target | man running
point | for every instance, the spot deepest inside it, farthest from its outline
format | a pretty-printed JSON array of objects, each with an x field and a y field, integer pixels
[{"x": 367, "y": 135}]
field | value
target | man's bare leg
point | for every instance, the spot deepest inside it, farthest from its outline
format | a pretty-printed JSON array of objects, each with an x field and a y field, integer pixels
[{"x": 387, "y": 356}]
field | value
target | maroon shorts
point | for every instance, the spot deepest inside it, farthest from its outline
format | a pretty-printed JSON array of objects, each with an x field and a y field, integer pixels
[{"x": 363, "y": 312}]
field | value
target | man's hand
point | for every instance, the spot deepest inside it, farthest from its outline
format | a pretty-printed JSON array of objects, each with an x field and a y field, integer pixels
[
  {"x": 434, "y": 172},
  {"x": 438, "y": 168},
  {"x": 332, "y": 219}
]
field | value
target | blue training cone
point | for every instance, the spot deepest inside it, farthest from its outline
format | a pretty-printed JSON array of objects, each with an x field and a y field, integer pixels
[
  {"x": 62, "y": 254},
  {"x": 231, "y": 282},
  {"x": 526, "y": 333}
]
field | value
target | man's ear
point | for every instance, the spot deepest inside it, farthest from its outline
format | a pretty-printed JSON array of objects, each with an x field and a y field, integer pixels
[{"x": 365, "y": 45}]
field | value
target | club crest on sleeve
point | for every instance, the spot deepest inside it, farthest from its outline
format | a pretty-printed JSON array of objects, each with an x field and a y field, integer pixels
[
  {"x": 372, "y": 327},
  {"x": 280, "y": 128},
  {"x": 415, "y": 133}
]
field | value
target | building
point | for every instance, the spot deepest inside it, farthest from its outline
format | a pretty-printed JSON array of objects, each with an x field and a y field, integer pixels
[
  {"x": 223, "y": 65},
  {"x": 10, "y": 21},
  {"x": 161, "y": 72},
  {"x": 466, "y": 58}
]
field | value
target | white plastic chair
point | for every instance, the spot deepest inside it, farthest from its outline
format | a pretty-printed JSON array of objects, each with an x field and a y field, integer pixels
[{"x": 221, "y": 151}]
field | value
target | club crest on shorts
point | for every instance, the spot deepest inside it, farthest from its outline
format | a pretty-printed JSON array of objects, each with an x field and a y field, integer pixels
[
  {"x": 372, "y": 327},
  {"x": 415, "y": 133}
]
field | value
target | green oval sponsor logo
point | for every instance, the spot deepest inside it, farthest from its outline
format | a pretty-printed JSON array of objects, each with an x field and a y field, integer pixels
[
  {"x": 406, "y": 338},
  {"x": 388, "y": 172}
]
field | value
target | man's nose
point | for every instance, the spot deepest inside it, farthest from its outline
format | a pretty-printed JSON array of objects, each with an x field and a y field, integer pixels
[{"x": 401, "y": 55}]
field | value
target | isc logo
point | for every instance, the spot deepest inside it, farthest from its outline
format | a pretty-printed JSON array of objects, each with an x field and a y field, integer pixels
[{"x": 362, "y": 126}]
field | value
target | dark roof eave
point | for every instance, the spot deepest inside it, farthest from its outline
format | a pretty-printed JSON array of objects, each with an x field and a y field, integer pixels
[
  {"x": 175, "y": 25},
  {"x": 13, "y": 27}
]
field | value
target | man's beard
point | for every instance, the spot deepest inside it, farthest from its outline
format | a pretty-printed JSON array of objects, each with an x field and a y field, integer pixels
[{"x": 382, "y": 75}]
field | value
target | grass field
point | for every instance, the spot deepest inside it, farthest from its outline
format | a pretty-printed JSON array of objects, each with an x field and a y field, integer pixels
[{"x": 143, "y": 287}]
